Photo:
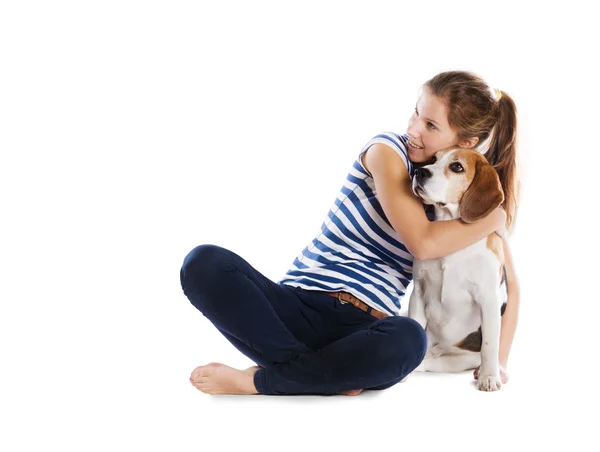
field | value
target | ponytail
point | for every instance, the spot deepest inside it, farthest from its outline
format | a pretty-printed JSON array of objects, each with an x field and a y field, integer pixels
[{"x": 502, "y": 155}]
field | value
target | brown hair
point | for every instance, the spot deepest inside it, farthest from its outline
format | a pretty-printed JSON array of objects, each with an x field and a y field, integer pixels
[{"x": 473, "y": 111}]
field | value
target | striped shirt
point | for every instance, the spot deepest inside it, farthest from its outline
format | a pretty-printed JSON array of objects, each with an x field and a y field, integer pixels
[{"x": 357, "y": 250}]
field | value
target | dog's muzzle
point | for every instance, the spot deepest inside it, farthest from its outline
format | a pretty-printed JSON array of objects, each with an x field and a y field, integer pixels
[{"x": 421, "y": 175}]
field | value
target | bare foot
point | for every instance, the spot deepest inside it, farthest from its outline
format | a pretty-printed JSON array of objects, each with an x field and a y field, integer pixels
[
  {"x": 217, "y": 378},
  {"x": 352, "y": 392}
]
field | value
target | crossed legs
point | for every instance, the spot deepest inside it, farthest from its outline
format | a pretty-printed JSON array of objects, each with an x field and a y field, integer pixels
[{"x": 293, "y": 336}]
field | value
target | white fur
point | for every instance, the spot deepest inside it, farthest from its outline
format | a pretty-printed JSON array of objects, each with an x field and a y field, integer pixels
[{"x": 453, "y": 296}]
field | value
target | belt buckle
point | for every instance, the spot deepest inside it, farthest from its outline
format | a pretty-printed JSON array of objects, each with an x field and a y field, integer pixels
[{"x": 340, "y": 300}]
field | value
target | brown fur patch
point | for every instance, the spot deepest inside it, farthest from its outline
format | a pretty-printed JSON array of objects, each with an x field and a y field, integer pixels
[
  {"x": 485, "y": 192},
  {"x": 494, "y": 244},
  {"x": 459, "y": 182},
  {"x": 472, "y": 342}
]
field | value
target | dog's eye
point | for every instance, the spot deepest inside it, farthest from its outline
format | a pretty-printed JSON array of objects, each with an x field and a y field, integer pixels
[
  {"x": 433, "y": 159},
  {"x": 457, "y": 167}
]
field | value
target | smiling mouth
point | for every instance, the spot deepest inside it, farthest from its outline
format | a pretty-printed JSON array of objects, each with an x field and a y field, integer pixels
[{"x": 414, "y": 145}]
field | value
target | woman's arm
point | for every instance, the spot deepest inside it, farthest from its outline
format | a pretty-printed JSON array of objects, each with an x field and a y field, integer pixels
[
  {"x": 511, "y": 313},
  {"x": 423, "y": 239},
  {"x": 446, "y": 237}
]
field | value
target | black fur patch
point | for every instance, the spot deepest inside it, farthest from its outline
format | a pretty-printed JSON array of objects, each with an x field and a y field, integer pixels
[
  {"x": 473, "y": 341},
  {"x": 429, "y": 211}
]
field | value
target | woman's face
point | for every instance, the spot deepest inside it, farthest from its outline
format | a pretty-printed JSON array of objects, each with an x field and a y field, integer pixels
[{"x": 428, "y": 128}]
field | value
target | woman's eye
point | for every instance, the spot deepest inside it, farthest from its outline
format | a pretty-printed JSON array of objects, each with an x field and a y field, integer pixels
[
  {"x": 457, "y": 167},
  {"x": 431, "y": 124}
]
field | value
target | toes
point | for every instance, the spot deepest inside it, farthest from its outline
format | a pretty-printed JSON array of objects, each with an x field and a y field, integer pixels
[
  {"x": 352, "y": 392},
  {"x": 489, "y": 383},
  {"x": 203, "y": 371},
  {"x": 197, "y": 372}
]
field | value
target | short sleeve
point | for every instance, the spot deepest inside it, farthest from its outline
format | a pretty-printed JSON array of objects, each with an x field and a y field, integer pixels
[{"x": 396, "y": 142}]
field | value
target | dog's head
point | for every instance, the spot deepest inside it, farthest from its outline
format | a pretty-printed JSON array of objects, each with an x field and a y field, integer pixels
[{"x": 460, "y": 181}]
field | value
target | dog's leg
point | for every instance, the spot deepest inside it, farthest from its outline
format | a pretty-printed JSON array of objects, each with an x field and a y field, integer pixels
[
  {"x": 489, "y": 373},
  {"x": 416, "y": 311},
  {"x": 416, "y": 305},
  {"x": 450, "y": 363}
]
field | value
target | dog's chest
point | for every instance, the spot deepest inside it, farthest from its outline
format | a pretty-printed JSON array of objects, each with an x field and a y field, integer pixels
[{"x": 448, "y": 286}]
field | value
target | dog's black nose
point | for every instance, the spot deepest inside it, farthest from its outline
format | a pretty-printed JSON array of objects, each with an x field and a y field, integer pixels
[{"x": 422, "y": 173}]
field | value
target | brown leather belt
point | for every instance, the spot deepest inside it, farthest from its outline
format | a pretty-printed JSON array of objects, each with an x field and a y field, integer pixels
[{"x": 346, "y": 297}]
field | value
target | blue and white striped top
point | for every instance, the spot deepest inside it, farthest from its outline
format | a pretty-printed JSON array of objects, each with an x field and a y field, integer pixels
[{"x": 357, "y": 250}]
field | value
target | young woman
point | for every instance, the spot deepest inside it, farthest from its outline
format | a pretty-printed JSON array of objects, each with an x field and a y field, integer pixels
[{"x": 331, "y": 325}]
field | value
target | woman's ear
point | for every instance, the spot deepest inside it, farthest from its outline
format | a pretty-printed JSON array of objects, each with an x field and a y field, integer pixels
[
  {"x": 469, "y": 143},
  {"x": 483, "y": 195}
]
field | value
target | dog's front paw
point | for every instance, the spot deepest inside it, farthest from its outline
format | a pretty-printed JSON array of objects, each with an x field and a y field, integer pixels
[{"x": 489, "y": 383}]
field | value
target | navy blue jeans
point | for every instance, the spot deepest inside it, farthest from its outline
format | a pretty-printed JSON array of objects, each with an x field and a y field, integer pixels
[{"x": 306, "y": 342}]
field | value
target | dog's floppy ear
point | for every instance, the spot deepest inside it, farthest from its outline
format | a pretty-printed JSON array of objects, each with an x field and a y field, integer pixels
[{"x": 483, "y": 195}]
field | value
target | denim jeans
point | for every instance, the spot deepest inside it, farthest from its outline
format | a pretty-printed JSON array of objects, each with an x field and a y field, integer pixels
[{"x": 306, "y": 341}]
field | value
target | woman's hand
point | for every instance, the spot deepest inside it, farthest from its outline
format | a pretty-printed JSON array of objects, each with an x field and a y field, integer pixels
[
  {"x": 502, "y": 232},
  {"x": 503, "y": 374},
  {"x": 500, "y": 217}
]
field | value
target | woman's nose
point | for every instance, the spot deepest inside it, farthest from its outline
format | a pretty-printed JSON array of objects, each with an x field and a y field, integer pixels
[{"x": 413, "y": 130}]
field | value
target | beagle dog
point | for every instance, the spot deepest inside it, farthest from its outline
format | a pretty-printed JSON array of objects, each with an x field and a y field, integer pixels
[{"x": 459, "y": 299}]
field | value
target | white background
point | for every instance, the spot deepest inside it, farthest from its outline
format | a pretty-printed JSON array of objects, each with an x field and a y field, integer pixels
[{"x": 132, "y": 132}]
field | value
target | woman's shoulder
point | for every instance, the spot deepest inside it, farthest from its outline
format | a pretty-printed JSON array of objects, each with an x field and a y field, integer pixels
[{"x": 392, "y": 140}]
